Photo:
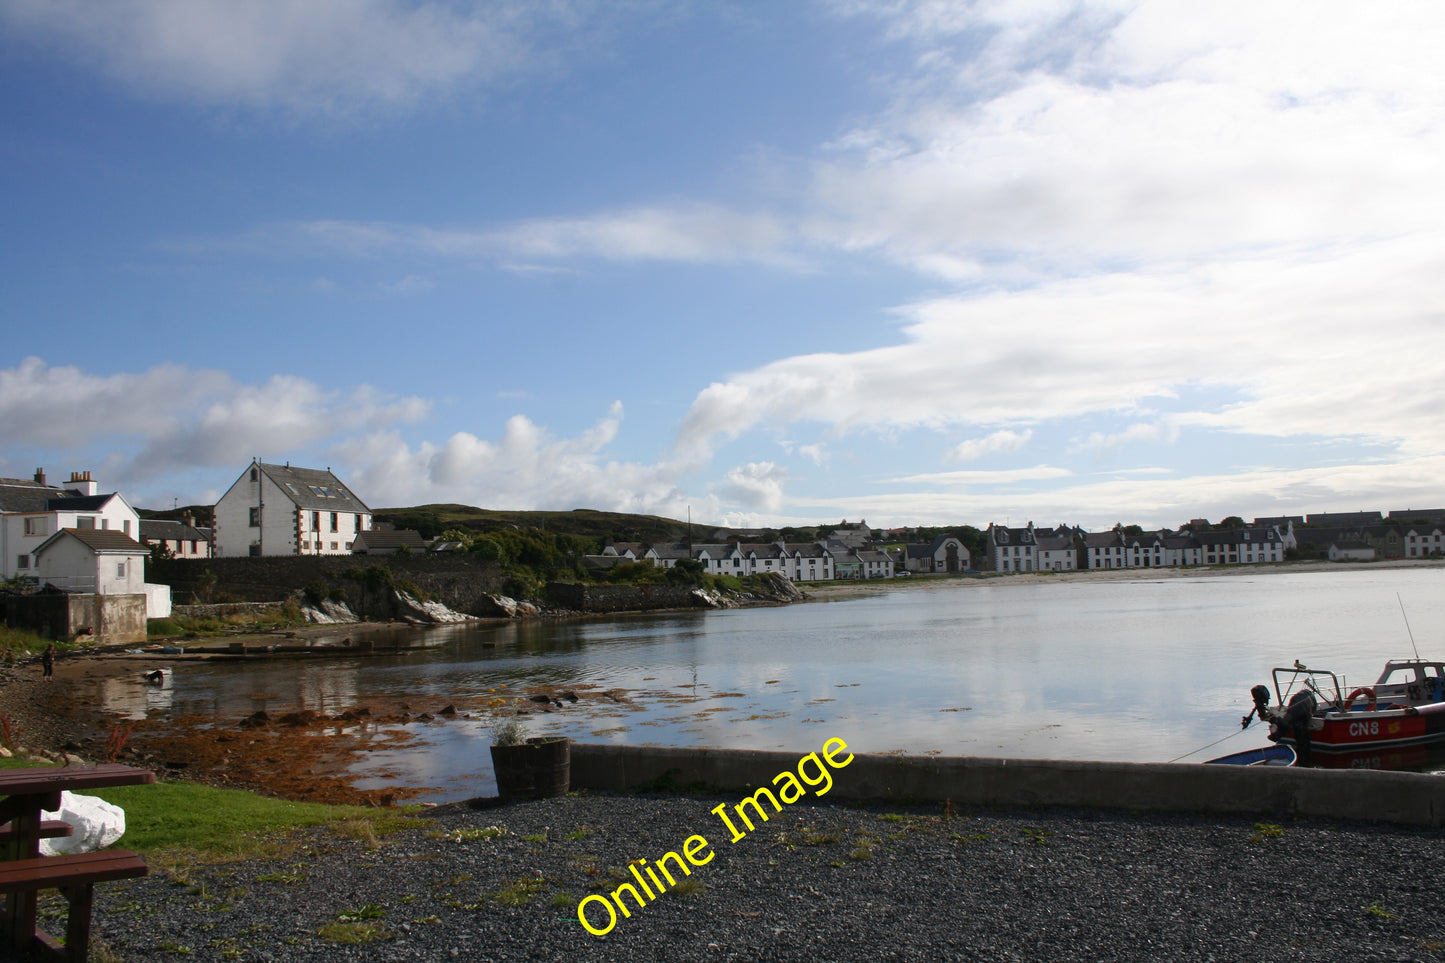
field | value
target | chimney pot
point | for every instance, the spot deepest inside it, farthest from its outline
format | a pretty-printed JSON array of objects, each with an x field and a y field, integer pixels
[{"x": 40, "y": 476}]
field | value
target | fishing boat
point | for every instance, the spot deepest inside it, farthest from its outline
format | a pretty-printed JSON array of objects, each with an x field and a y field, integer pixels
[{"x": 1312, "y": 713}]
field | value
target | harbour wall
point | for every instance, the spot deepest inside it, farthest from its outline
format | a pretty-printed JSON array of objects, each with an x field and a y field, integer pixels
[
  {"x": 586, "y": 597},
  {"x": 1416, "y": 799},
  {"x": 460, "y": 580}
]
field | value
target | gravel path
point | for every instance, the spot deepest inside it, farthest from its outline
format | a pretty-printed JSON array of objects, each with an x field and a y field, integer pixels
[{"x": 814, "y": 883}]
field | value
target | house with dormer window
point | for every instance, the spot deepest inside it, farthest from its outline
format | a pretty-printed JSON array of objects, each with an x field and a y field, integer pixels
[{"x": 286, "y": 510}]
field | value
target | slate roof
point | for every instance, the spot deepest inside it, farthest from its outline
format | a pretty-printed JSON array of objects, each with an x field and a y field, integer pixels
[
  {"x": 78, "y": 503},
  {"x": 24, "y": 495},
  {"x": 165, "y": 529},
  {"x": 308, "y": 488},
  {"x": 1344, "y": 518},
  {"x": 103, "y": 541}
]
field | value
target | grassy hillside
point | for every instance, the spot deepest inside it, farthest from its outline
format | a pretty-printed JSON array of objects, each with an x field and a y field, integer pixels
[{"x": 432, "y": 520}]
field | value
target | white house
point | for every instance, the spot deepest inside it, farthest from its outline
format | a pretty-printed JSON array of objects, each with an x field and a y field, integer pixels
[
  {"x": 1422, "y": 541},
  {"x": 1012, "y": 549},
  {"x": 33, "y": 510},
  {"x": 283, "y": 510}
]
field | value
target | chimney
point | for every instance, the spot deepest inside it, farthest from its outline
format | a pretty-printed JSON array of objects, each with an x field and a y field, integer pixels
[
  {"x": 40, "y": 476},
  {"x": 81, "y": 481}
]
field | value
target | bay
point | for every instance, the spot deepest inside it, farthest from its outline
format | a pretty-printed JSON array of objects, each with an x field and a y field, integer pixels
[{"x": 1139, "y": 669}]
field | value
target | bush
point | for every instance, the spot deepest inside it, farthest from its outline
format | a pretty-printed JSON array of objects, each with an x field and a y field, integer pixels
[{"x": 163, "y": 627}]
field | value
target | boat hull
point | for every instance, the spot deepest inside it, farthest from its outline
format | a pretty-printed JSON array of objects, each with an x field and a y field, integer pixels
[{"x": 1342, "y": 732}]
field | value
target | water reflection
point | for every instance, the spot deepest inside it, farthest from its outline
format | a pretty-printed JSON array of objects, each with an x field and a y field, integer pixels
[{"x": 1122, "y": 670}]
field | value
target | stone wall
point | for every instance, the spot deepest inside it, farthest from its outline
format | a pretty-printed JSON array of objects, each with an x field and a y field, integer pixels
[
  {"x": 459, "y": 580},
  {"x": 621, "y": 598}
]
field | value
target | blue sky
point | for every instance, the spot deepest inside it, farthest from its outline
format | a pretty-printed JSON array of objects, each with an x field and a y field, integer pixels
[{"x": 918, "y": 261}]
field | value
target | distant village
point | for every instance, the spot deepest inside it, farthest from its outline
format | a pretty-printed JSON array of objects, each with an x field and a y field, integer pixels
[{"x": 74, "y": 538}]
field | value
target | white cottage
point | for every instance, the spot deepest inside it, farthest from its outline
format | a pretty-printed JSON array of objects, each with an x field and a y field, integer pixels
[
  {"x": 283, "y": 510},
  {"x": 92, "y": 562}
]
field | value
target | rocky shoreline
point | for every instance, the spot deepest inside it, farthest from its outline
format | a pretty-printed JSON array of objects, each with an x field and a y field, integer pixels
[{"x": 814, "y": 883}]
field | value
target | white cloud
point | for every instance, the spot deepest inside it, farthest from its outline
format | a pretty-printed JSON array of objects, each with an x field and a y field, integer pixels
[
  {"x": 1162, "y": 502},
  {"x": 1004, "y": 476},
  {"x": 411, "y": 284},
  {"x": 172, "y": 418},
  {"x": 1100, "y": 442},
  {"x": 525, "y": 468},
  {"x": 756, "y": 486},
  {"x": 320, "y": 57},
  {"x": 999, "y": 441},
  {"x": 693, "y": 234}
]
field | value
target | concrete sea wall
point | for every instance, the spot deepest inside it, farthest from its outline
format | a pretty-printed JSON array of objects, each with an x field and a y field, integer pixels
[
  {"x": 108, "y": 619},
  {"x": 1398, "y": 797}
]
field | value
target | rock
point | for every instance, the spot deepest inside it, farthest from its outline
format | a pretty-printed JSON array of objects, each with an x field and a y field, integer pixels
[
  {"x": 96, "y": 824},
  {"x": 428, "y": 612},
  {"x": 540, "y": 698},
  {"x": 449, "y": 711},
  {"x": 496, "y": 606},
  {"x": 256, "y": 720},
  {"x": 298, "y": 719}
]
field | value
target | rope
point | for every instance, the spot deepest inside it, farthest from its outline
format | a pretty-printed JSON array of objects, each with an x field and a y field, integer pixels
[{"x": 1202, "y": 748}]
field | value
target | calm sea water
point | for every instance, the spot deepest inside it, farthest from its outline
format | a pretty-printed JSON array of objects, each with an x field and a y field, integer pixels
[{"x": 1143, "y": 670}]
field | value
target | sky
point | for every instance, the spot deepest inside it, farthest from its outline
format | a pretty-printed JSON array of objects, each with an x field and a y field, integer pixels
[{"x": 921, "y": 262}]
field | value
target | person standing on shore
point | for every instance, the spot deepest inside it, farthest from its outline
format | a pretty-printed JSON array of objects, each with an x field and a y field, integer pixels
[{"x": 47, "y": 662}]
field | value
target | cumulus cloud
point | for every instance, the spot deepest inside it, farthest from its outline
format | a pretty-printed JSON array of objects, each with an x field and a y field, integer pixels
[
  {"x": 756, "y": 486},
  {"x": 525, "y": 467},
  {"x": 321, "y": 57},
  {"x": 173, "y": 417},
  {"x": 999, "y": 441}
]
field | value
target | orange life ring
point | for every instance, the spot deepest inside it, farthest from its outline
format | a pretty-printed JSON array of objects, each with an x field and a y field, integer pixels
[{"x": 1365, "y": 691}]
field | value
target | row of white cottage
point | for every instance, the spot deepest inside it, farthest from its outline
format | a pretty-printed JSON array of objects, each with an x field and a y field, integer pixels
[
  {"x": 798, "y": 561},
  {"x": 1066, "y": 549}
]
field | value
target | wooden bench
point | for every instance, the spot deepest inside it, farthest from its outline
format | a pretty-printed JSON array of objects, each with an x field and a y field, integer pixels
[
  {"x": 29, "y": 794},
  {"x": 75, "y": 876},
  {"x": 49, "y": 829}
]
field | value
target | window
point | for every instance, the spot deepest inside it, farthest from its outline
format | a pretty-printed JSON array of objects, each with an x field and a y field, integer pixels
[
  {"x": 333, "y": 546},
  {"x": 255, "y": 474},
  {"x": 316, "y": 521},
  {"x": 120, "y": 570},
  {"x": 105, "y": 524},
  {"x": 333, "y": 527},
  {"x": 23, "y": 562},
  {"x": 85, "y": 523},
  {"x": 256, "y": 522},
  {"x": 193, "y": 546},
  {"x": 37, "y": 526},
  {"x": 358, "y": 523},
  {"x": 125, "y": 525}
]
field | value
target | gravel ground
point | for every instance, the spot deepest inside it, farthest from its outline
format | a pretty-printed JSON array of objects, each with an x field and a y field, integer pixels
[{"x": 814, "y": 883}]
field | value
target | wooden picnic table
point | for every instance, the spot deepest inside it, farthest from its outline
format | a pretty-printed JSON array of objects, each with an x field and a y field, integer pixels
[{"x": 24, "y": 872}]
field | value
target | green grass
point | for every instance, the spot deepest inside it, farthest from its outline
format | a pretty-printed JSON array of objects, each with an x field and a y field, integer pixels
[{"x": 206, "y": 822}]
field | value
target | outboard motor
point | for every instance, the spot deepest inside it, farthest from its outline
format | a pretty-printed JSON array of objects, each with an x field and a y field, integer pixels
[
  {"x": 1296, "y": 723},
  {"x": 1261, "y": 705}
]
